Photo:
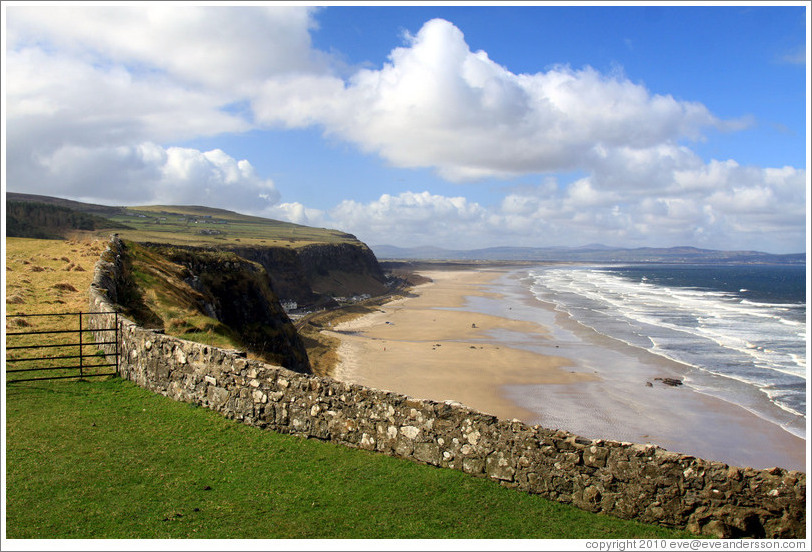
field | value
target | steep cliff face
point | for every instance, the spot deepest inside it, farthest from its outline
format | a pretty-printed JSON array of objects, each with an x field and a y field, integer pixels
[
  {"x": 285, "y": 271},
  {"x": 242, "y": 298},
  {"x": 225, "y": 288},
  {"x": 342, "y": 270},
  {"x": 313, "y": 275}
]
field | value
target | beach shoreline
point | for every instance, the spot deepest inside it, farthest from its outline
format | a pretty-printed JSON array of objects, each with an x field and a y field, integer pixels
[
  {"x": 427, "y": 346},
  {"x": 461, "y": 338}
]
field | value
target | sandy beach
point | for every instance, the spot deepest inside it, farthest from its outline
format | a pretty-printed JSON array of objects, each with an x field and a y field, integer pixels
[
  {"x": 420, "y": 347},
  {"x": 458, "y": 338}
]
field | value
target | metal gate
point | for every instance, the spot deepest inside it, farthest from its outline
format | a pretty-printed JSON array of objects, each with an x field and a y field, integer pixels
[{"x": 69, "y": 340}]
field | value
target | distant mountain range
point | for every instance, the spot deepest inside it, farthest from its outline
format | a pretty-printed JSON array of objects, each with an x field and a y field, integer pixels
[{"x": 592, "y": 253}]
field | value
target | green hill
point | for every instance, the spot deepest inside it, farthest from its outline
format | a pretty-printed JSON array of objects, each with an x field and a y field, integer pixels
[
  {"x": 51, "y": 221},
  {"x": 194, "y": 225},
  {"x": 180, "y": 225}
]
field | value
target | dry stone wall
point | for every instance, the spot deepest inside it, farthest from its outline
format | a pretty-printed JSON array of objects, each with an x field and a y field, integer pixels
[{"x": 630, "y": 481}]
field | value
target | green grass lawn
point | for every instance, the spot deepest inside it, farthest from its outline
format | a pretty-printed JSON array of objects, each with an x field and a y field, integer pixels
[{"x": 107, "y": 459}]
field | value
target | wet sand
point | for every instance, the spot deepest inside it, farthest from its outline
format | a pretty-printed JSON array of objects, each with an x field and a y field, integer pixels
[{"x": 461, "y": 338}]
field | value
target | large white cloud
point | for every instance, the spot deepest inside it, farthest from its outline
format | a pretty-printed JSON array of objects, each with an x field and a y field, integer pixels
[
  {"x": 216, "y": 46},
  {"x": 122, "y": 74},
  {"x": 53, "y": 98},
  {"x": 150, "y": 174},
  {"x": 438, "y": 104},
  {"x": 91, "y": 91}
]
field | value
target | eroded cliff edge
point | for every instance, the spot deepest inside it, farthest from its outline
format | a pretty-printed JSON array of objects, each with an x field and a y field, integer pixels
[{"x": 210, "y": 296}]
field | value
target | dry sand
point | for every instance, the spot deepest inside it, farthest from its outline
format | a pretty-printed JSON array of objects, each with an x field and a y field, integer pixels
[
  {"x": 429, "y": 346},
  {"x": 420, "y": 347}
]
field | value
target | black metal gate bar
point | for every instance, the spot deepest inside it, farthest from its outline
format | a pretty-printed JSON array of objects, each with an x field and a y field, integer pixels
[
  {"x": 58, "y": 345},
  {"x": 60, "y": 331},
  {"x": 54, "y": 315},
  {"x": 60, "y": 357},
  {"x": 59, "y": 377},
  {"x": 61, "y": 368}
]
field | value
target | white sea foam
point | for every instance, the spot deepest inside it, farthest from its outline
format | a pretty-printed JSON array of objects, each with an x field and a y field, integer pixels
[{"x": 754, "y": 343}]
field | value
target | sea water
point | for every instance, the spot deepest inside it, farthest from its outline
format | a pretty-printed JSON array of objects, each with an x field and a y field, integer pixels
[{"x": 740, "y": 331}]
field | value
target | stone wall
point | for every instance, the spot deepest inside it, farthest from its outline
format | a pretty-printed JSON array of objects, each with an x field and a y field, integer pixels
[{"x": 630, "y": 481}]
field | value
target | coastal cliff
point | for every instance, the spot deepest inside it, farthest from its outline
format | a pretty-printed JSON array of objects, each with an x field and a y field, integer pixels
[
  {"x": 309, "y": 267},
  {"x": 198, "y": 294},
  {"x": 315, "y": 275},
  {"x": 241, "y": 293}
]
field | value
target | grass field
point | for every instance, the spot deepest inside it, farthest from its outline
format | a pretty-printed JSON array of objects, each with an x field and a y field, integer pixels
[
  {"x": 46, "y": 277},
  {"x": 50, "y": 275},
  {"x": 107, "y": 459},
  {"x": 104, "y": 458}
]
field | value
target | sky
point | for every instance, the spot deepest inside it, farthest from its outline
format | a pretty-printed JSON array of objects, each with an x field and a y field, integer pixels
[{"x": 459, "y": 126}]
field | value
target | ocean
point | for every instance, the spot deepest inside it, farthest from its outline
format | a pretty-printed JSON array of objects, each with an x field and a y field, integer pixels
[{"x": 739, "y": 331}]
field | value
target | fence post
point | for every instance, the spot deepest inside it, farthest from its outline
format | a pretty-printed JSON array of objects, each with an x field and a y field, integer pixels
[
  {"x": 116, "y": 340},
  {"x": 81, "y": 363}
]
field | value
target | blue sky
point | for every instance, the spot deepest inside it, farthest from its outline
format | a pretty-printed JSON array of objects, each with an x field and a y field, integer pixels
[{"x": 465, "y": 126}]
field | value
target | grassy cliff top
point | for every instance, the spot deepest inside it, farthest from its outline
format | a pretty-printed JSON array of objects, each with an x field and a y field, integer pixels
[{"x": 195, "y": 225}]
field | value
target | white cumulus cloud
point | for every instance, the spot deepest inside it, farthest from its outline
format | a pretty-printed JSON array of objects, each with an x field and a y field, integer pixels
[
  {"x": 88, "y": 86},
  {"x": 294, "y": 212},
  {"x": 438, "y": 104},
  {"x": 423, "y": 216},
  {"x": 739, "y": 208},
  {"x": 148, "y": 173},
  {"x": 214, "y": 46}
]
